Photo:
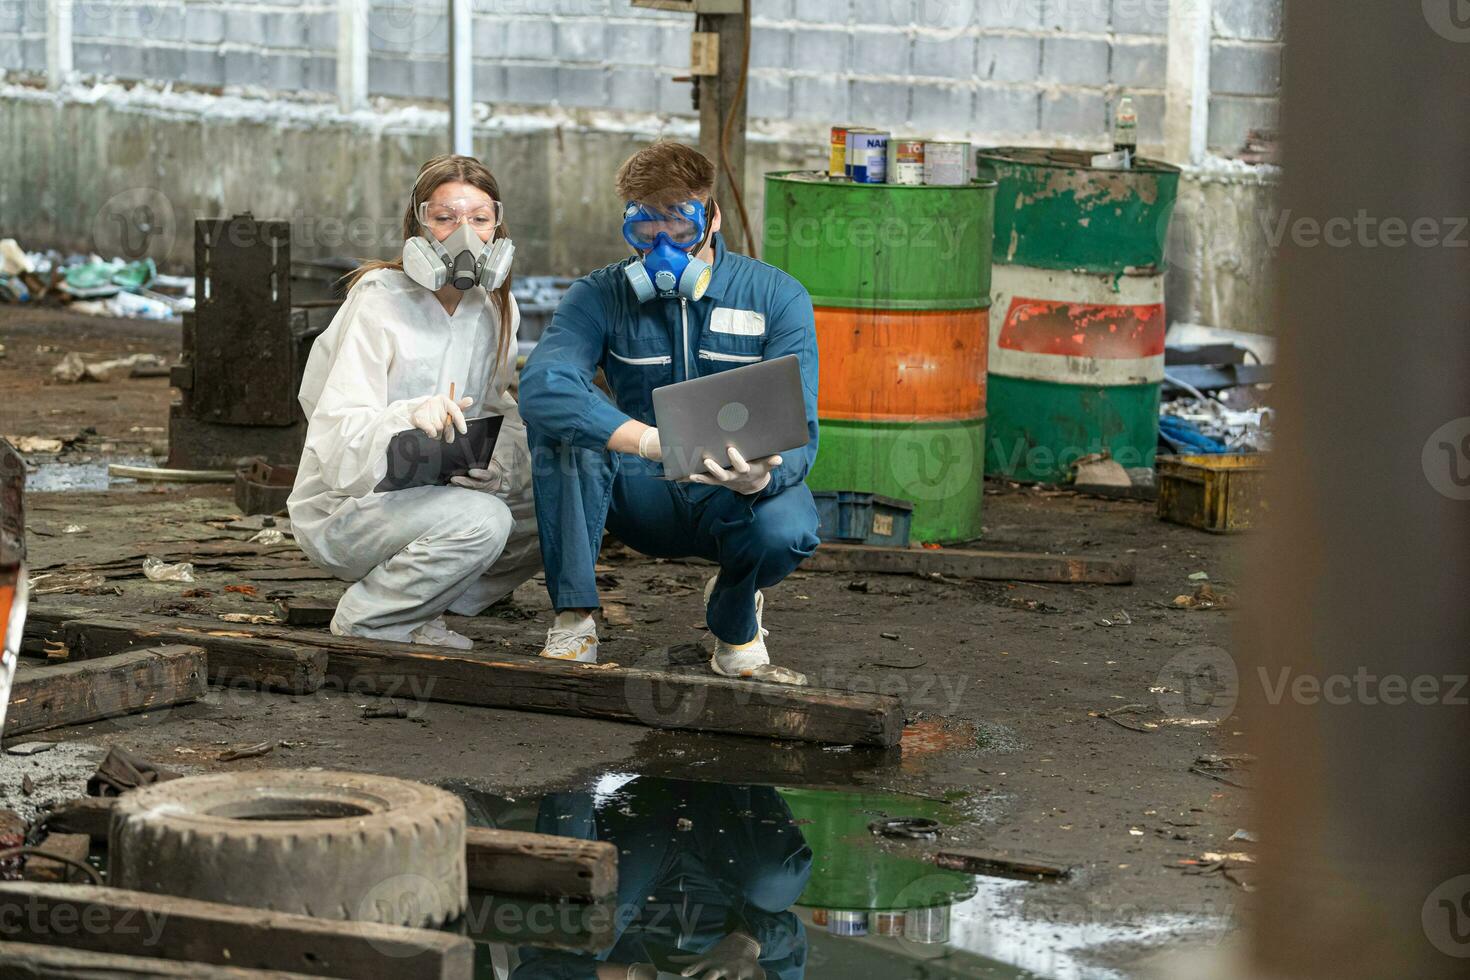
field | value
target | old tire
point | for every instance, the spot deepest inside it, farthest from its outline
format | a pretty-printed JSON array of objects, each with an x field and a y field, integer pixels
[{"x": 335, "y": 845}]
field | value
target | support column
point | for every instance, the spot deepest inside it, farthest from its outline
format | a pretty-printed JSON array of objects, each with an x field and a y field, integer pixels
[
  {"x": 462, "y": 77},
  {"x": 352, "y": 54},
  {"x": 717, "y": 97},
  {"x": 1187, "y": 82},
  {"x": 59, "y": 63}
]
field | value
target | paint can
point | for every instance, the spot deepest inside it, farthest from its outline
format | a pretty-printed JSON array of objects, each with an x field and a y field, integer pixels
[
  {"x": 837, "y": 163},
  {"x": 841, "y": 923},
  {"x": 929, "y": 925},
  {"x": 867, "y": 156},
  {"x": 887, "y": 924},
  {"x": 946, "y": 164},
  {"x": 905, "y": 161},
  {"x": 819, "y": 917}
]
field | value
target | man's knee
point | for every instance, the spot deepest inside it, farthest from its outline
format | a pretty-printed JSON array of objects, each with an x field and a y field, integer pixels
[
  {"x": 782, "y": 532},
  {"x": 483, "y": 517}
]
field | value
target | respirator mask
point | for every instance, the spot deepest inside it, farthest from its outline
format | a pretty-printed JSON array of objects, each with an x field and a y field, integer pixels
[
  {"x": 666, "y": 239},
  {"x": 463, "y": 258}
]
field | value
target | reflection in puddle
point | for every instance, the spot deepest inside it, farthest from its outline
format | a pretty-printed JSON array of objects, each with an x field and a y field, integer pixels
[{"x": 776, "y": 882}]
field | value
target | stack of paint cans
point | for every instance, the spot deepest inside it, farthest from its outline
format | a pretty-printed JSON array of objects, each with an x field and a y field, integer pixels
[{"x": 873, "y": 156}]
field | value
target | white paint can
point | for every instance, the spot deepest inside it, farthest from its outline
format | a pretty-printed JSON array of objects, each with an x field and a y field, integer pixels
[{"x": 946, "y": 164}]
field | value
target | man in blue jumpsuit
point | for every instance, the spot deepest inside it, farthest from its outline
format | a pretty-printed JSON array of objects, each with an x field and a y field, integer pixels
[{"x": 682, "y": 307}]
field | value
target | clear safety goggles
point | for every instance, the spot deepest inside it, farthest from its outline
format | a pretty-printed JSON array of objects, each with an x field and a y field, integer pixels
[
  {"x": 443, "y": 218},
  {"x": 683, "y": 223}
]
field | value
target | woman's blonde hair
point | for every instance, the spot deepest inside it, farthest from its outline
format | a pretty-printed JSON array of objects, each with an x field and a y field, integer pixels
[{"x": 443, "y": 170}]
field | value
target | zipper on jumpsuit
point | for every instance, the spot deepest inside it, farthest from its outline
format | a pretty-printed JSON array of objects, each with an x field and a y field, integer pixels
[{"x": 684, "y": 330}]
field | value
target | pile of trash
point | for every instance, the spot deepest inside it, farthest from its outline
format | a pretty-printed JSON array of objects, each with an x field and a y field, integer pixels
[
  {"x": 1209, "y": 425},
  {"x": 92, "y": 285}
]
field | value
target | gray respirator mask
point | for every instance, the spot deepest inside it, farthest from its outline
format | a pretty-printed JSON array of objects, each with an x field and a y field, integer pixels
[{"x": 461, "y": 260}]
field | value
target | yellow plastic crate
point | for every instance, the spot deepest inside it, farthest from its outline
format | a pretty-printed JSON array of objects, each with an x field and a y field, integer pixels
[{"x": 1218, "y": 493}]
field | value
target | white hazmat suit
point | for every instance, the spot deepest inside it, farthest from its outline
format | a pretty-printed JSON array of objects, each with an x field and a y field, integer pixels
[{"x": 410, "y": 554}]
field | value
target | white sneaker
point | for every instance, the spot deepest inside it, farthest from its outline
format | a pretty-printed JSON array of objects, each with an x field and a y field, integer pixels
[
  {"x": 572, "y": 637},
  {"x": 749, "y": 660},
  {"x": 438, "y": 634}
]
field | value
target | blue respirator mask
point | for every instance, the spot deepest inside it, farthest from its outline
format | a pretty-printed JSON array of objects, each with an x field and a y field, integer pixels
[{"x": 665, "y": 240}]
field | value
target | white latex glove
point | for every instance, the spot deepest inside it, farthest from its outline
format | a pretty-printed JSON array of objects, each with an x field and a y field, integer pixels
[
  {"x": 430, "y": 416},
  {"x": 492, "y": 479},
  {"x": 649, "y": 446},
  {"x": 736, "y": 957},
  {"x": 742, "y": 477}
]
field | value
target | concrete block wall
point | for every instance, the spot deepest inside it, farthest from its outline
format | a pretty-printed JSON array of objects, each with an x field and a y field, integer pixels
[
  {"x": 23, "y": 35},
  {"x": 1245, "y": 70}
]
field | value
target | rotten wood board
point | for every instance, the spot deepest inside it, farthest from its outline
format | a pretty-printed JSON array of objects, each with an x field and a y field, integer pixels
[
  {"x": 236, "y": 657},
  {"x": 73, "y": 846},
  {"x": 509, "y": 862},
  {"x": 107, "y": 687},
  {"x": 695, "y": 702},
  {"x": 999, "y": 865},
  {"x": 963, "y": 563},
  {"x": 89, "y": 815},
  {"x": 129, "y": 923},
  {"x": 29, "y": 961}
]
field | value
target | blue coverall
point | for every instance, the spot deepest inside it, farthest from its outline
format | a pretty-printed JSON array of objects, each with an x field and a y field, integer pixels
[{"x": 581, "y": 487}]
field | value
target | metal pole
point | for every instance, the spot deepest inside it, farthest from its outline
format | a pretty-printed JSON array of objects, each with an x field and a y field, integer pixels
[{"x": 461, "y": 77}]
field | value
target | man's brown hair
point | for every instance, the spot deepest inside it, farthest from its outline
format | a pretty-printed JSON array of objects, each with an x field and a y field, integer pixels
[{"x": 666, "y": 173}]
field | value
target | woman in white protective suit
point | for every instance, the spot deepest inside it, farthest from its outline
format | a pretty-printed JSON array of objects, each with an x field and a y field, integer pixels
[{"x": 442, "y": 315}]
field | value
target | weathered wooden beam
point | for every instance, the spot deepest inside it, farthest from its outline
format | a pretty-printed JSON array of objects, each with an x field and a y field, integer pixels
[
  {"x": 90, "y": 815},
  {"x": 73, "y": 846},
  {"x": 509, "y": 862},
  {"x": 28, "y": 961},
  {"x": 129, "y": 923},
  {"x": 697, "y": 702},
  {"x": 235, "y": 656},
  {"x": 999, "y": 865},
  {"x": 1015, "y": 566},
  {"x": 122, "y": 684}
]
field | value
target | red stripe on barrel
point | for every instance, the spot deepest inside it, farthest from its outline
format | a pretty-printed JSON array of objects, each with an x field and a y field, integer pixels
[{"x": 1040, "y": 326}]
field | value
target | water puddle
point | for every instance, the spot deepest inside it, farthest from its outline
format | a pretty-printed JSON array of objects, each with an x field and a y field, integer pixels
[
  {"x": 797, "y": 876},
  {"x": 56, "y": 476}
]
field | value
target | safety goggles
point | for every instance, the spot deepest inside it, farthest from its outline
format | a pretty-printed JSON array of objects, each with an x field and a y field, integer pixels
[
  {"x": 443, "y": 218},
  {"x": 684, "y": 224}
]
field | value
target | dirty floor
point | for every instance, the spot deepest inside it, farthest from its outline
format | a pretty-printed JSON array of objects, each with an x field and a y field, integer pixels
[{"x": 1047, "y": 733}]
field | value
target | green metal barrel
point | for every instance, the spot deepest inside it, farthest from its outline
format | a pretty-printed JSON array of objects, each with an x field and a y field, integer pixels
[
  {"x": 1077, "y": 350},
  {"x": 899, "y": 276}
]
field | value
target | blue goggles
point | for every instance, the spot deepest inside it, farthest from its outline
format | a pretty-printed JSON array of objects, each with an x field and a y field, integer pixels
[{"x": 682, "y": 224}]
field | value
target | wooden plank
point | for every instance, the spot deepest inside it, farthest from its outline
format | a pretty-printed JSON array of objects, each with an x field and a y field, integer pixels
[
  {"x": 90, "y": 815},
  {"x": 1012, "y": 566},
  {"x": 683, "y": 701},
  {"x": 999, "y": 865},
  {"x": 235, "y": 657},
  {"x": 28, "y": 961},
  {"x": 695, "y": 702},
  {"x": 509, "y": 862},
  {"x": 129, "y": 923},
  {"x": 74, "y": 846},
  {"x": 121, "y": 684}
]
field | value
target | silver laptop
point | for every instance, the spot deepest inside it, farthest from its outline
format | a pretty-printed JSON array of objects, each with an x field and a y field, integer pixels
[{"x": 757, "y": 409}]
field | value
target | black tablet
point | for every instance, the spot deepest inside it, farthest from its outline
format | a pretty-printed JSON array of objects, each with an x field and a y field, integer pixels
[{"x": 416, "y": 459}]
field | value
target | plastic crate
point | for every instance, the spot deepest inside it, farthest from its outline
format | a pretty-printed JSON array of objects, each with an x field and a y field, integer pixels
[
  {"x": 1218, "y": 493},
  {"x": 853, "y": 517}
]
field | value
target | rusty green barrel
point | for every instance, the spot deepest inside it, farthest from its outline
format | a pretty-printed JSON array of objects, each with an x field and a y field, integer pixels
[
  {"x": 900, "y": 280},
  {"x": 1077, "y": 347}
]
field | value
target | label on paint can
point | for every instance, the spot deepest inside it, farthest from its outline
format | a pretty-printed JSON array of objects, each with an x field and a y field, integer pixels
[
  {"x": 946, "y": 164},
  {"x": 905, "y": 161},
  {"x": 837, "y": 164},
  {"x": 867, "y": 156}
]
